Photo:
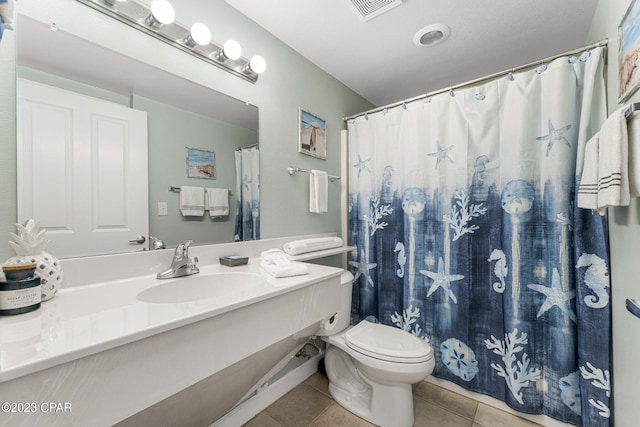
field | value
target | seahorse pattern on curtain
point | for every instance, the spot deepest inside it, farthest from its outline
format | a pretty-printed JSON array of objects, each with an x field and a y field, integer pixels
[
  {"x": 462, "y": 209},
  {"x": 248, "y": 190}
]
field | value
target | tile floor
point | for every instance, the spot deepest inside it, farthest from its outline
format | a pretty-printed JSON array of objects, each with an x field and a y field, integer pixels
[{"x": 310, "y": 405}]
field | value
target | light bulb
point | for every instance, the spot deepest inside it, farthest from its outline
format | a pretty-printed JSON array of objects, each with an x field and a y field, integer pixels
[
  {"x": 232, "y": 49},
  {"x": 162, "y": 13},
  {"x": 199, "y": 34},
  {"x": 258, "y": 64}
]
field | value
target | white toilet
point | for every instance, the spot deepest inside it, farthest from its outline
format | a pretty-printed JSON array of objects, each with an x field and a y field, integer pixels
[{"x": 371, "y": 366}]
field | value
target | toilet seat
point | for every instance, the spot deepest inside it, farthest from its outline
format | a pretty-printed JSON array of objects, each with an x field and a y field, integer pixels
[{"x": 387, "y": 343}]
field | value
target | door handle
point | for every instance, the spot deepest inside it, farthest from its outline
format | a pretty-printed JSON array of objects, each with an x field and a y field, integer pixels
[{"x": 138, "y": 240}]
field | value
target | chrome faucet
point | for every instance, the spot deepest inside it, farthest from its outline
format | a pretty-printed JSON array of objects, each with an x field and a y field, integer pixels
[
  {"x": 181, "y": 265},
  {"x": 155, "y": 243}
]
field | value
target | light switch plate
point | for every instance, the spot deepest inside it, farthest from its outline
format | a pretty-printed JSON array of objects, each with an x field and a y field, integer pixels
[{"x": 162, "y": 209}]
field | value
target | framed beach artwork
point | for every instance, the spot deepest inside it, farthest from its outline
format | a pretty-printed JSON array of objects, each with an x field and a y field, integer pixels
[
  {"x": 201, "y": 163},
  {"x": 629, "y": 51},
  {"x": 312, "y": 134},
  {"x": 6, "y": 16}
]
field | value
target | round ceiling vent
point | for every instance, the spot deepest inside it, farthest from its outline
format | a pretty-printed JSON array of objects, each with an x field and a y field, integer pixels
[{"x": 431, "y": 35}]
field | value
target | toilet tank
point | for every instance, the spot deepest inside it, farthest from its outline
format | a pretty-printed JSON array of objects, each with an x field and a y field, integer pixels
[{"x": 342, "y": 318}]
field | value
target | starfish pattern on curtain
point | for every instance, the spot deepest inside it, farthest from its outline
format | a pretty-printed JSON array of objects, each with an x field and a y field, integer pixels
[{"x": 463, "y": 212}]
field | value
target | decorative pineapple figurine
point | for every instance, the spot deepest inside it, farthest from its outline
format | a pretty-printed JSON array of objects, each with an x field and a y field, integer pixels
[{"x": 29, "y": 246}]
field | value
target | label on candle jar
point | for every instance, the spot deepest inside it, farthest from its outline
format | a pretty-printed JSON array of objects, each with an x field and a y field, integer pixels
[{"x": 20, "y": 298}]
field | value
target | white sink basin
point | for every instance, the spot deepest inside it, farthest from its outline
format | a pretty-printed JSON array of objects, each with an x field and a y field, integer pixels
[{"x": 199, "y": 287}]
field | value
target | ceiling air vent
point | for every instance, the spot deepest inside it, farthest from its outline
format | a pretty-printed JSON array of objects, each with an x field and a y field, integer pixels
[{"x": 369, "y": 9}]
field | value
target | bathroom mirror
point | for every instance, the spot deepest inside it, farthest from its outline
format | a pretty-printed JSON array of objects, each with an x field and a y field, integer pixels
[{"x": 181, "y": 114}]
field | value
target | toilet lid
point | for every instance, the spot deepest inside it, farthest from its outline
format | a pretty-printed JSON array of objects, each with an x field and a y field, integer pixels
[{"x": 387, "y": 343}]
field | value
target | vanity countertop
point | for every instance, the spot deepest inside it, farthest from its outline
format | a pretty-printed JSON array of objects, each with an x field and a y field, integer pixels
[{"x": 85, "y": 320}]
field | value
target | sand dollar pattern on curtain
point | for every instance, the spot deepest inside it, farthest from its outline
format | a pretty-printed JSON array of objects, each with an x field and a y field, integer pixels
[{"x": 462, "y": 209}]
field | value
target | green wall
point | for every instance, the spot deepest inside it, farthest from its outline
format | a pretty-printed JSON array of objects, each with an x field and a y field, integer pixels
[
  {"x": 8, "y": 182},
  {"x": 624, "y": 241},
  {"x": 290, "y": 82},
  {"x": 170, "y": 130}
]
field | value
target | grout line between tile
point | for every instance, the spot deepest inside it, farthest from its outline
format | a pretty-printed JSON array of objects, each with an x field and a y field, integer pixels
[
  {"x": 475, "y": 413},
  {"x": 319, "y": 415},
  {"x": 279, "y": 423}
]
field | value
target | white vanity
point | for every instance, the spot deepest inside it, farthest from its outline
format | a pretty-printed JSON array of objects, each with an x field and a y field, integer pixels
[{"x": 116, "y": 340}]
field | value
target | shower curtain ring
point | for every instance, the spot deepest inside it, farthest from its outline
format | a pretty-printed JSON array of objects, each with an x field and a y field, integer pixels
[{"x": 585, "y": 55}]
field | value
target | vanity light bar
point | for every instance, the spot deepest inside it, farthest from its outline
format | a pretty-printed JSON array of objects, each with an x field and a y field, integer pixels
[{"x": 141, "y": 18}]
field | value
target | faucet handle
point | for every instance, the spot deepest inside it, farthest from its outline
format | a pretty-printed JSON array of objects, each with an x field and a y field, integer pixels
[
  {"x": 186, "y": 243},
  {"x": 155, "y": 243},
  {"x": 183, "y": 248}
]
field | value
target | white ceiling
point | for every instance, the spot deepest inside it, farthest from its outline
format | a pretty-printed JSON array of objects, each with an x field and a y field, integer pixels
[{"x": 378, "y": 60}]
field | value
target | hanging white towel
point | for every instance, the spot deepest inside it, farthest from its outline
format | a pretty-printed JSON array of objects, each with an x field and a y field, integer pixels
[
  {"x": 191, "y": 201},
  {"x": 611, "y": 167},
  {"x": 318, "y": 191},
  {"x": 613, "y": 162},
  {"x": 633, "y": 133},
  {"x": 588, "y": 190},
  {"x": 217, "y": 202}
]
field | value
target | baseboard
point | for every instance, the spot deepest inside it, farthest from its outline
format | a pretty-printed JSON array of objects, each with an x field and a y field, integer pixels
[
  {"x": 498, "y": 404},
  {"x": 274, "y": 391},
  {"x": 269, "y": 394}
]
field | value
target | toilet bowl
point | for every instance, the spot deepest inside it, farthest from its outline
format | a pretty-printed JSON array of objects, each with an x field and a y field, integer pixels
[{"x": 371, "y": 366}]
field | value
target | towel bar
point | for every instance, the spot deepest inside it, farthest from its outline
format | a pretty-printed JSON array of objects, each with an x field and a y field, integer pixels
[
  {"x": 177, "y": 189},
  {"x": 296, "y": 170},
  {"x": 632, "y": 109}
]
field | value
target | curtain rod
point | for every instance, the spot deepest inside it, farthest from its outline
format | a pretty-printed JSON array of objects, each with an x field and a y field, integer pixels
[
  {"x": 248, "y": 146},
  {"x": 479, "y": 80}
]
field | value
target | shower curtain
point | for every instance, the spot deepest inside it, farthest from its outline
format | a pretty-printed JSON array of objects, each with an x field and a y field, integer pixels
[
  {"x": 248, "y": 191},
  {"x": 462, "y": 208}
]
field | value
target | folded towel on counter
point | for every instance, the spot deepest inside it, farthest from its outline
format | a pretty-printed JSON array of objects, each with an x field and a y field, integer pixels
[
  {"x": 275, "y": 256},
  {"x": 318, "y": 191},
  {"x": 217, "y": 202},
  {"x": 298, "y": 247},
  {"x": 191, "y": 201},
  {"x": 611, "y": 166},
  {"x": 279, "y": 271}
]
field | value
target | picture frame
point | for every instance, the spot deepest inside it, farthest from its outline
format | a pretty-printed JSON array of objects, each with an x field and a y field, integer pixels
[
  {"x": 200, "y": 163},
  {"x": 629, "y": 51},
  {"x": 312, "y": 134},
  {"x": 6, "y": 16}
]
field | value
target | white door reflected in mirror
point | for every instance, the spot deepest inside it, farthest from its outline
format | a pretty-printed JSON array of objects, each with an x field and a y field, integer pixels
[{"x": 82, "y": 170}]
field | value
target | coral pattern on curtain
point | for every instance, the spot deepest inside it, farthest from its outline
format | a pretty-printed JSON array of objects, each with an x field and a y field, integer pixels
[
  {"x": 462, "y": 208},
  {"x": 248, "y": 190}
]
